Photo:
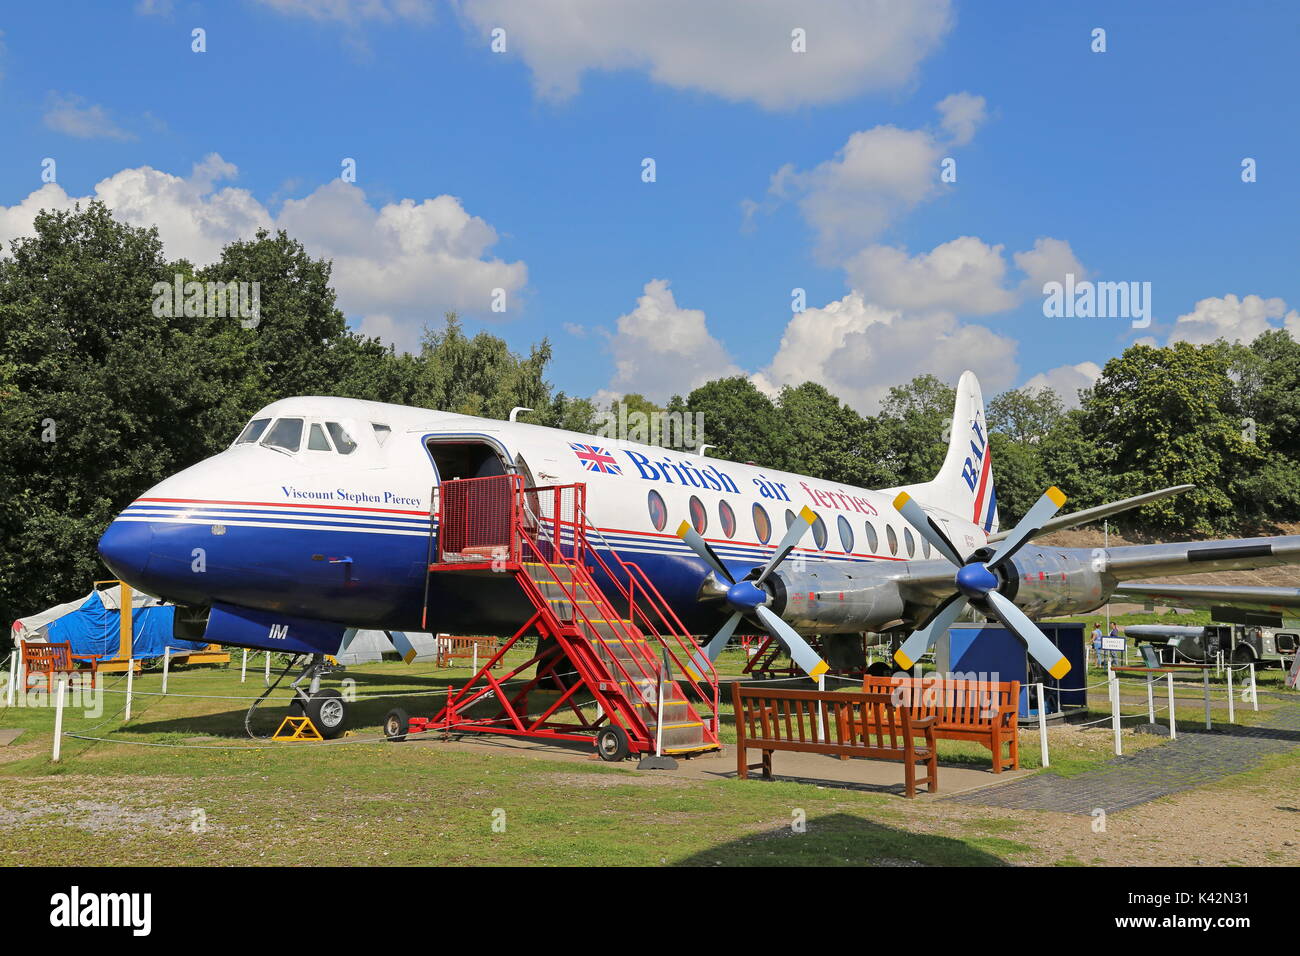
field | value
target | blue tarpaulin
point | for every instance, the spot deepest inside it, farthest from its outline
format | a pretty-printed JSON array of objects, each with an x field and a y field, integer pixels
[{"x": 94, "y": 629}]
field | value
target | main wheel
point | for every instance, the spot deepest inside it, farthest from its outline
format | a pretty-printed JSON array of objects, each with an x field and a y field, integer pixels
[
  {"x": 396, "y": 724},
  {"x": 329, "y": 712},
  {"x": 1242, "y": 654},
  {"x": 612, "y": 744}
]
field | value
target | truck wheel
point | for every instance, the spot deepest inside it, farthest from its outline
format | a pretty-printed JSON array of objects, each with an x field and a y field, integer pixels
[{"x": 1242, "y": 654}]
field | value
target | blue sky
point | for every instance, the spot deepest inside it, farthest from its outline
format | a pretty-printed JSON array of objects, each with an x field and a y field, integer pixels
[{"x": 1123, "y": 164}]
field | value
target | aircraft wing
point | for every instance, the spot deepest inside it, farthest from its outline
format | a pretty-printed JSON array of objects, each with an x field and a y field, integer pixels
[
  {"x": 1276, "y": 600},
  {"x": 1198, "y": 557}
]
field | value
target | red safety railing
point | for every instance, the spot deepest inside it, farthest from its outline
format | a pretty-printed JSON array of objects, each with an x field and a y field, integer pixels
[{"x": 487, "y": 521}]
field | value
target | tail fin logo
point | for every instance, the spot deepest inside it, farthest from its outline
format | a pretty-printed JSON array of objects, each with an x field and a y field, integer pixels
[{"x": 971, "y": 470}]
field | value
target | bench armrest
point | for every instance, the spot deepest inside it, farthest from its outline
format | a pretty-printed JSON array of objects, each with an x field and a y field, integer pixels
[{"x": 923, "y": 722}]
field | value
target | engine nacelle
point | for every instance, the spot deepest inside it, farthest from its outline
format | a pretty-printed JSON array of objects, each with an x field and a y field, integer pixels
[
  {"x": 835, "y": 600},
  {"x": 1045, "y": 582}
]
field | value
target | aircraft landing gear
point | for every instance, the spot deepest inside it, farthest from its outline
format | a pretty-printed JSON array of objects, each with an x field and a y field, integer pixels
[{"x": 326, "y": 707}]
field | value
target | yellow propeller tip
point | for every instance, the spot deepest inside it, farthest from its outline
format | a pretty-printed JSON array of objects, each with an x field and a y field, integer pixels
[
  {"x": 903, "y": 661},
  {"x": 683, "y": 529},
  {"x": 821, "y": 668},
  {"x": 1060, "y": 668},
  {"x": 901, "y": 501},
  {"x": 1057, "y": 496},
  {"x": 808, "y": 515}
]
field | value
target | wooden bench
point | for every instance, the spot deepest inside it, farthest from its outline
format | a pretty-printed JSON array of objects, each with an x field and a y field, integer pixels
[
  {"x": 51, "y": 659},
  {"x": 772, "y": 719},
  {"x": 471, "y": 649},
  {"x": 980, "y": 711}
]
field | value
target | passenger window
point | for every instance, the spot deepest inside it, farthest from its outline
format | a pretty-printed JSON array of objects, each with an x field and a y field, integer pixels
[
  {"x": 873, "y": 540},
  {"x": 316, "y": 440},
  {"x": 342, "y": 440},
  {"x": 253, "y": 431},
  {"x": 381, "y": 432},
  {"x": 286, "y": 433},
  {"x": 910, "y": 542},
  {"x": 892, "y": 537}
]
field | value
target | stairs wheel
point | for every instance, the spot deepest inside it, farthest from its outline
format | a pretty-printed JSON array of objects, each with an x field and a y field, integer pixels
[
  {"x": 612, "y": 744},
  {"x": 396, "y": 723}
]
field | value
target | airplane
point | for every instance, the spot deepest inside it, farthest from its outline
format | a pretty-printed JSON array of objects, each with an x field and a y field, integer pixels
[{"x": 317, "y": 519}]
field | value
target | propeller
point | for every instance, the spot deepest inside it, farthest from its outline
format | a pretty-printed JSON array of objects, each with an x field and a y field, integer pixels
[
  {"x": 977, "y": 583},
  {"x": 749, "y": 597}
]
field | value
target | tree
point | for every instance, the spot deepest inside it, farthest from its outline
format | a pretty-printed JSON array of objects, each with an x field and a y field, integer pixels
[
  {"x": 827, "y": 439},
  {"x": 739, "y": 421},
  {"x": 914, "y": 421},
  {"x": 1163, "y": 414}
]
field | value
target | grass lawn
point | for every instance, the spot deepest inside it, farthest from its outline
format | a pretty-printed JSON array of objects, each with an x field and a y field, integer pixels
[{"x": 182, "y": 783}]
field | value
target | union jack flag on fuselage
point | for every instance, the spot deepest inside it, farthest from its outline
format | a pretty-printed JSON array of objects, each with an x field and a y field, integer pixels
[{"x": 595, "y": 458}]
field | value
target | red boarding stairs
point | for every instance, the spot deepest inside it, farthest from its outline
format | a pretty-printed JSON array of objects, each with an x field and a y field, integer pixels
[{"x": 600, "y": 656}]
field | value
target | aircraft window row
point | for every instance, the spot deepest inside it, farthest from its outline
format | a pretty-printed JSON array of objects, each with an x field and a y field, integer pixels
[{"x": 658, "y": 510}]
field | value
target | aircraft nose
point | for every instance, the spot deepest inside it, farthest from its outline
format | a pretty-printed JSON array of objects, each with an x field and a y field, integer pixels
[{"x": 124, "y": 546}]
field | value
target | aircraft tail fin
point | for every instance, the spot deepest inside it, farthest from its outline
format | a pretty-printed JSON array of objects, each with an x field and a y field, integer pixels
[{"x": 964, "y": 485}]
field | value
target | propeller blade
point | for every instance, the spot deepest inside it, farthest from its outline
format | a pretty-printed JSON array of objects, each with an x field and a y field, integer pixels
[
  {"x": 798, "y": 528},
  {"x": 915, "y": 515},
  {"x": 1029, "y": 525},
  {"x": 1043, "y": 650},
  {"x": 696, "y": 543},
  {"x": 922, "y": 640},
  {"x": 402, "y": 644},
  {"x": 800, "y": 650},
  {"x": 716, "y": 643}
]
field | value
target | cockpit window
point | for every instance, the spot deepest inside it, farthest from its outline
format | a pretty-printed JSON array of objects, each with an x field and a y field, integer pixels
[
  {"x": 286, "y": 433},
  {"x": 381, "y": 432},
  {"x": 342, "y": 440},
  {"x": 253, "y": 431},
  {"x": 316, "y": 440}
]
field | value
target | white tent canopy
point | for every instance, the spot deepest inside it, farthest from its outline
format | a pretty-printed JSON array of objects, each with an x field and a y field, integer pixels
[{"x": 361, "y": 646}]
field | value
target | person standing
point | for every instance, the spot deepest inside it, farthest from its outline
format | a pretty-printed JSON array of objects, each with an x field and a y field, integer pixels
[
  {"x": 1096, "y": 644},
  {"x": 1115, "y": 656}
]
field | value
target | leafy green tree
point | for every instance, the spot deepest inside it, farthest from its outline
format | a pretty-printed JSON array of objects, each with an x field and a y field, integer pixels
[
  {"x": 914, "y": 419},
  {"x": 739, "y": 421},
  {"x": 827, "y": 439},
  {"x": 1163, "y": 416}
]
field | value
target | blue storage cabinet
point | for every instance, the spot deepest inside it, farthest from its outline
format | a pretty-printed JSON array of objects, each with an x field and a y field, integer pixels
[{"x": 991, "y": 652}]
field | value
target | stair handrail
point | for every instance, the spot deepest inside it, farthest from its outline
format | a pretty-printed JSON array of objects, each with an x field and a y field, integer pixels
[{"x": 679, "y": 632}]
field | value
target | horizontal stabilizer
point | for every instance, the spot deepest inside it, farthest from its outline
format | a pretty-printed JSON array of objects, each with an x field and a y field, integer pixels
[{"x": 1088, "y": 515}]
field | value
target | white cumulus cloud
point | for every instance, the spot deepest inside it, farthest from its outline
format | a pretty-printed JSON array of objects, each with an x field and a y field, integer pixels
[
  {"x": 1232, "y": 318},
  {"x": 963, "y": 275},
  {"x": 661, "y": 349},
  {"x": 879, "y": 175},
  {"x": 858, "y": 349},
  {"x": 741, "y": 50},
  {"x": 395, "y": 267},
  {"x": 1066, "y": 381}
]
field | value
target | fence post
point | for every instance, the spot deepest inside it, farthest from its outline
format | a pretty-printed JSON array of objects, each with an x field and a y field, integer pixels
[
  {"x": 13, "y": 675},
  {"x": 1254, "y": 690},
  {"x": 243, "y": 667},
  {"x": 58, "y": 718},
  {"x": 267, "y": 675},
  {"x": 1114, "y": 714},
  {"x": 1151, "y": 699},
  {"x": 167, "y": 664},
  {"x": 1173, "y": 722},
  {"x": 821, "y": 687},
  {"x": 1206, "y": 675},
  {"x": 1042, "y": 725},
  {"x": 130, "y": 681},
  {"x": 1232, "y": 704}
]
